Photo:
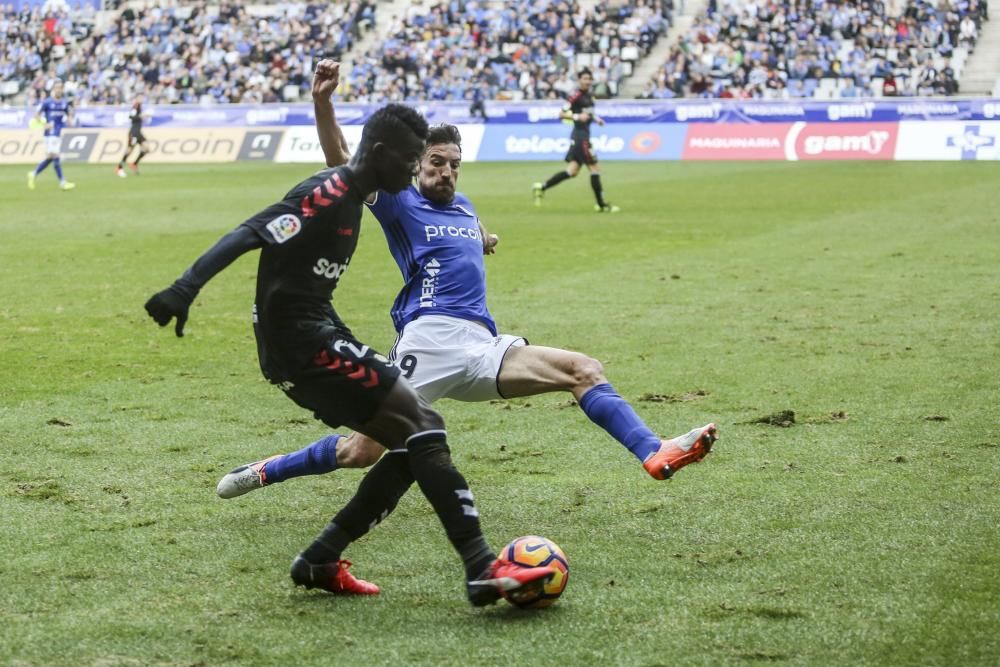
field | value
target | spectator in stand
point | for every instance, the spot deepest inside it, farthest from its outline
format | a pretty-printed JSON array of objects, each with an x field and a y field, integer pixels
[{"x": 889, "y": 87}]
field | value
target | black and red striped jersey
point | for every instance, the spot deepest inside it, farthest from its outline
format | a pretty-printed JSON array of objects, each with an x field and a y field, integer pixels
[
  {"x": 135, "y": 117},
  {"x": 309, "y": 238},
  {"x": 581, "y": 102}
]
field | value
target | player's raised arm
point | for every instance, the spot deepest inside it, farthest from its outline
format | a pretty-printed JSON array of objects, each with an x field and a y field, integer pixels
[
  {"x": 331, "y": 138},
  {"x": 176, "y": 300}
]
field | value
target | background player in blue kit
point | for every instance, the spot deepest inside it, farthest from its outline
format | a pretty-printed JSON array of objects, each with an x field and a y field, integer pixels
[
  {"x": 306, "y": 242},
  {"x": 55, "y": 112},
  {"x": 580, "y": 111},
  {"x": 448, "y": 345}
]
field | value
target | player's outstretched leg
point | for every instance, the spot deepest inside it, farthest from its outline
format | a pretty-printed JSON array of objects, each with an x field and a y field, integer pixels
[
  {"x": 325, "y": 455},
  {"x": 504, "y": 579},
  {"x": 677, "y": 452},
  {"x": 316, "y": 459},
  {"x": 245, "y": 478}
]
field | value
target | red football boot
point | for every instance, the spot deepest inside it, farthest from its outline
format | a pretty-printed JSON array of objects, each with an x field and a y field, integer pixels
[
  {"x": 677, "y": 452},
  {"x": 331, "y": 577},
  {"x": 504, "y": 579}
]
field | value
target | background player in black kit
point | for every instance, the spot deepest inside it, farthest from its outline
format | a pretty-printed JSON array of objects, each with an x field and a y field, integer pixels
[
  {"x": 306, "y": 242},
  {"x": 135, "y": 138},
  {"x": 580, "y": 110}
]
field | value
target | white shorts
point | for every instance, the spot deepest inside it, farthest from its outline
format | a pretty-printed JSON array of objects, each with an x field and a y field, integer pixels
[
  {"x": 53, "y": 145},
  {"x": 448, "y": 357}
]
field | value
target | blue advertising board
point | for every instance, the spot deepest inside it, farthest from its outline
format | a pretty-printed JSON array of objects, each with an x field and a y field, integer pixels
[
  {"x": 516, "y": 114},
  {"x": 620, "y": 141}
]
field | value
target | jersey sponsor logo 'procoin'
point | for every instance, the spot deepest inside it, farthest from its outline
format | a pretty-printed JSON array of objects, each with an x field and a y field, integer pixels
[{"x": 284, "y": 227}]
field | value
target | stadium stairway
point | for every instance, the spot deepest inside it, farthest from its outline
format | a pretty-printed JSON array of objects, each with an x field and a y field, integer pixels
[
  {"x": 384, "y": 11},
  {"x": 684, "y": 13},
  {"x": 981, "y": 75}
]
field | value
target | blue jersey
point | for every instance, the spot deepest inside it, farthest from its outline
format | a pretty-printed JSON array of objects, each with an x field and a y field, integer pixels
[
  {"x": 439, "y": 250},
  {"x": 55, "y": 112}
]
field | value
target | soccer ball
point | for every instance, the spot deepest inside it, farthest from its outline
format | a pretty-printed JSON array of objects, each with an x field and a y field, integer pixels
[{"x": 534, "y": 551}]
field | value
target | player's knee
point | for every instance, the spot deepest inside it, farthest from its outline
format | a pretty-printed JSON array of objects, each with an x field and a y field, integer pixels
[
  {"x": 358, "y": 452},
  {"x": 586, "y": 371},
  {"x": 427, "y": 418}
]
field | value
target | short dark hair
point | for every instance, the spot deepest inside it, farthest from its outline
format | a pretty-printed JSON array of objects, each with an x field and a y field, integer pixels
[
  {"x": 389, "y": 123},
  {"x": 585, "y": 71},
  {"x": 444, "y": 133}
]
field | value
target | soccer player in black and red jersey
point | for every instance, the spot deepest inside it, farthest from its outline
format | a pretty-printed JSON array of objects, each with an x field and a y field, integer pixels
[
  {"x": 579, "y": 110},
  {"x": 135, "y": 138},
  {"x": 306, "y": 242}
]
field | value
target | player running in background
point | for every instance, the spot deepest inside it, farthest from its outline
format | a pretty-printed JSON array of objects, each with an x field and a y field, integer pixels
[
  {"x": 448, "y": 345},
  {"x": 135, "y": 138},
  {"x": 580, "y": 111},
  {"x": 306, "y": 242},
  {"x": 55, "y": 112}
]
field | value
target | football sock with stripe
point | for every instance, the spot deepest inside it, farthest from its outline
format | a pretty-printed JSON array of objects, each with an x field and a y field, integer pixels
[
  {"x": 556, "y": 179},
  {"x": 613, "y": 413},
  {"x": 595, "y": 184},
  {"x": 316, "y": 459},
  {"x": 449, "y": 494}
]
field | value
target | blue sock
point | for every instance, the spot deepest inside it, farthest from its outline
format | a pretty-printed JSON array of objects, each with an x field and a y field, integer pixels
[
  {"x": 58, "y": 168},
  {"x": 42, "y": 165},
  {"x": 316, "y": 459},
  {"x": 613, "y": 413}
]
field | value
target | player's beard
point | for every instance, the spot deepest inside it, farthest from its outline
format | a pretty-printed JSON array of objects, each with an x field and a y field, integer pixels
[{"x": 443, "y": 193}]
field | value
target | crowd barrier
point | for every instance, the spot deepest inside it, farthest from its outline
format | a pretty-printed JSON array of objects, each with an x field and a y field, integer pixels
[{"x": 911, "y": 129}]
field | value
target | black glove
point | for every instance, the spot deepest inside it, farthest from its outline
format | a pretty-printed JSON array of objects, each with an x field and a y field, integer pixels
[{"x": 171, "y": 302}]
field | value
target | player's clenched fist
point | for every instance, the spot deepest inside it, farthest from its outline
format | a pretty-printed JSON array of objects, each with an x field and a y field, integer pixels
[
  {"x": 168, "y": 304},
  {"x": 326, "y": 78}
]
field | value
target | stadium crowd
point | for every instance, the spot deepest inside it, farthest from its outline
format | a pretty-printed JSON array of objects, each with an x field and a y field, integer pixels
[
  {"x": 526, "y": 49},
  {"x": 477, "y": 50},
  {"x": 174, "y": 53},
  {"x": 762, "y": 48},
  {"x": 217, "y": 53}
]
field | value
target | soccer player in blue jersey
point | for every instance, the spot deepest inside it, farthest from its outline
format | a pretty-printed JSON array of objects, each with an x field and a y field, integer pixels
[
  {"x": 448, "y": 344},
  {"x": 56, "y": 112}
]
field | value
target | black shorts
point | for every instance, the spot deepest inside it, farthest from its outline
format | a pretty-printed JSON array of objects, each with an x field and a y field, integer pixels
[
  {"x": 581, "y": 152},
  {"x": 345, "y": 384},
  {"x": 136, "y": 138}
]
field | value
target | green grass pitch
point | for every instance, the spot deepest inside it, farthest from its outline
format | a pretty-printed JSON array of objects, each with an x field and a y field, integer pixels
[{"x": 863, "y": 297}]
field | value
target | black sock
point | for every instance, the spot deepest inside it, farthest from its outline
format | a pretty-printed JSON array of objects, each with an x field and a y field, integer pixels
[
  {"x": 328, "y": 546},
  {"x": 376, "y": 497},
  {"x": 121, "y": 165},
  {"x": 449, "y": 494},
  {"x": 595, "y": 184},
  {"x": 556, "y": 179},
  {"x": 141, "y": 154}
]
